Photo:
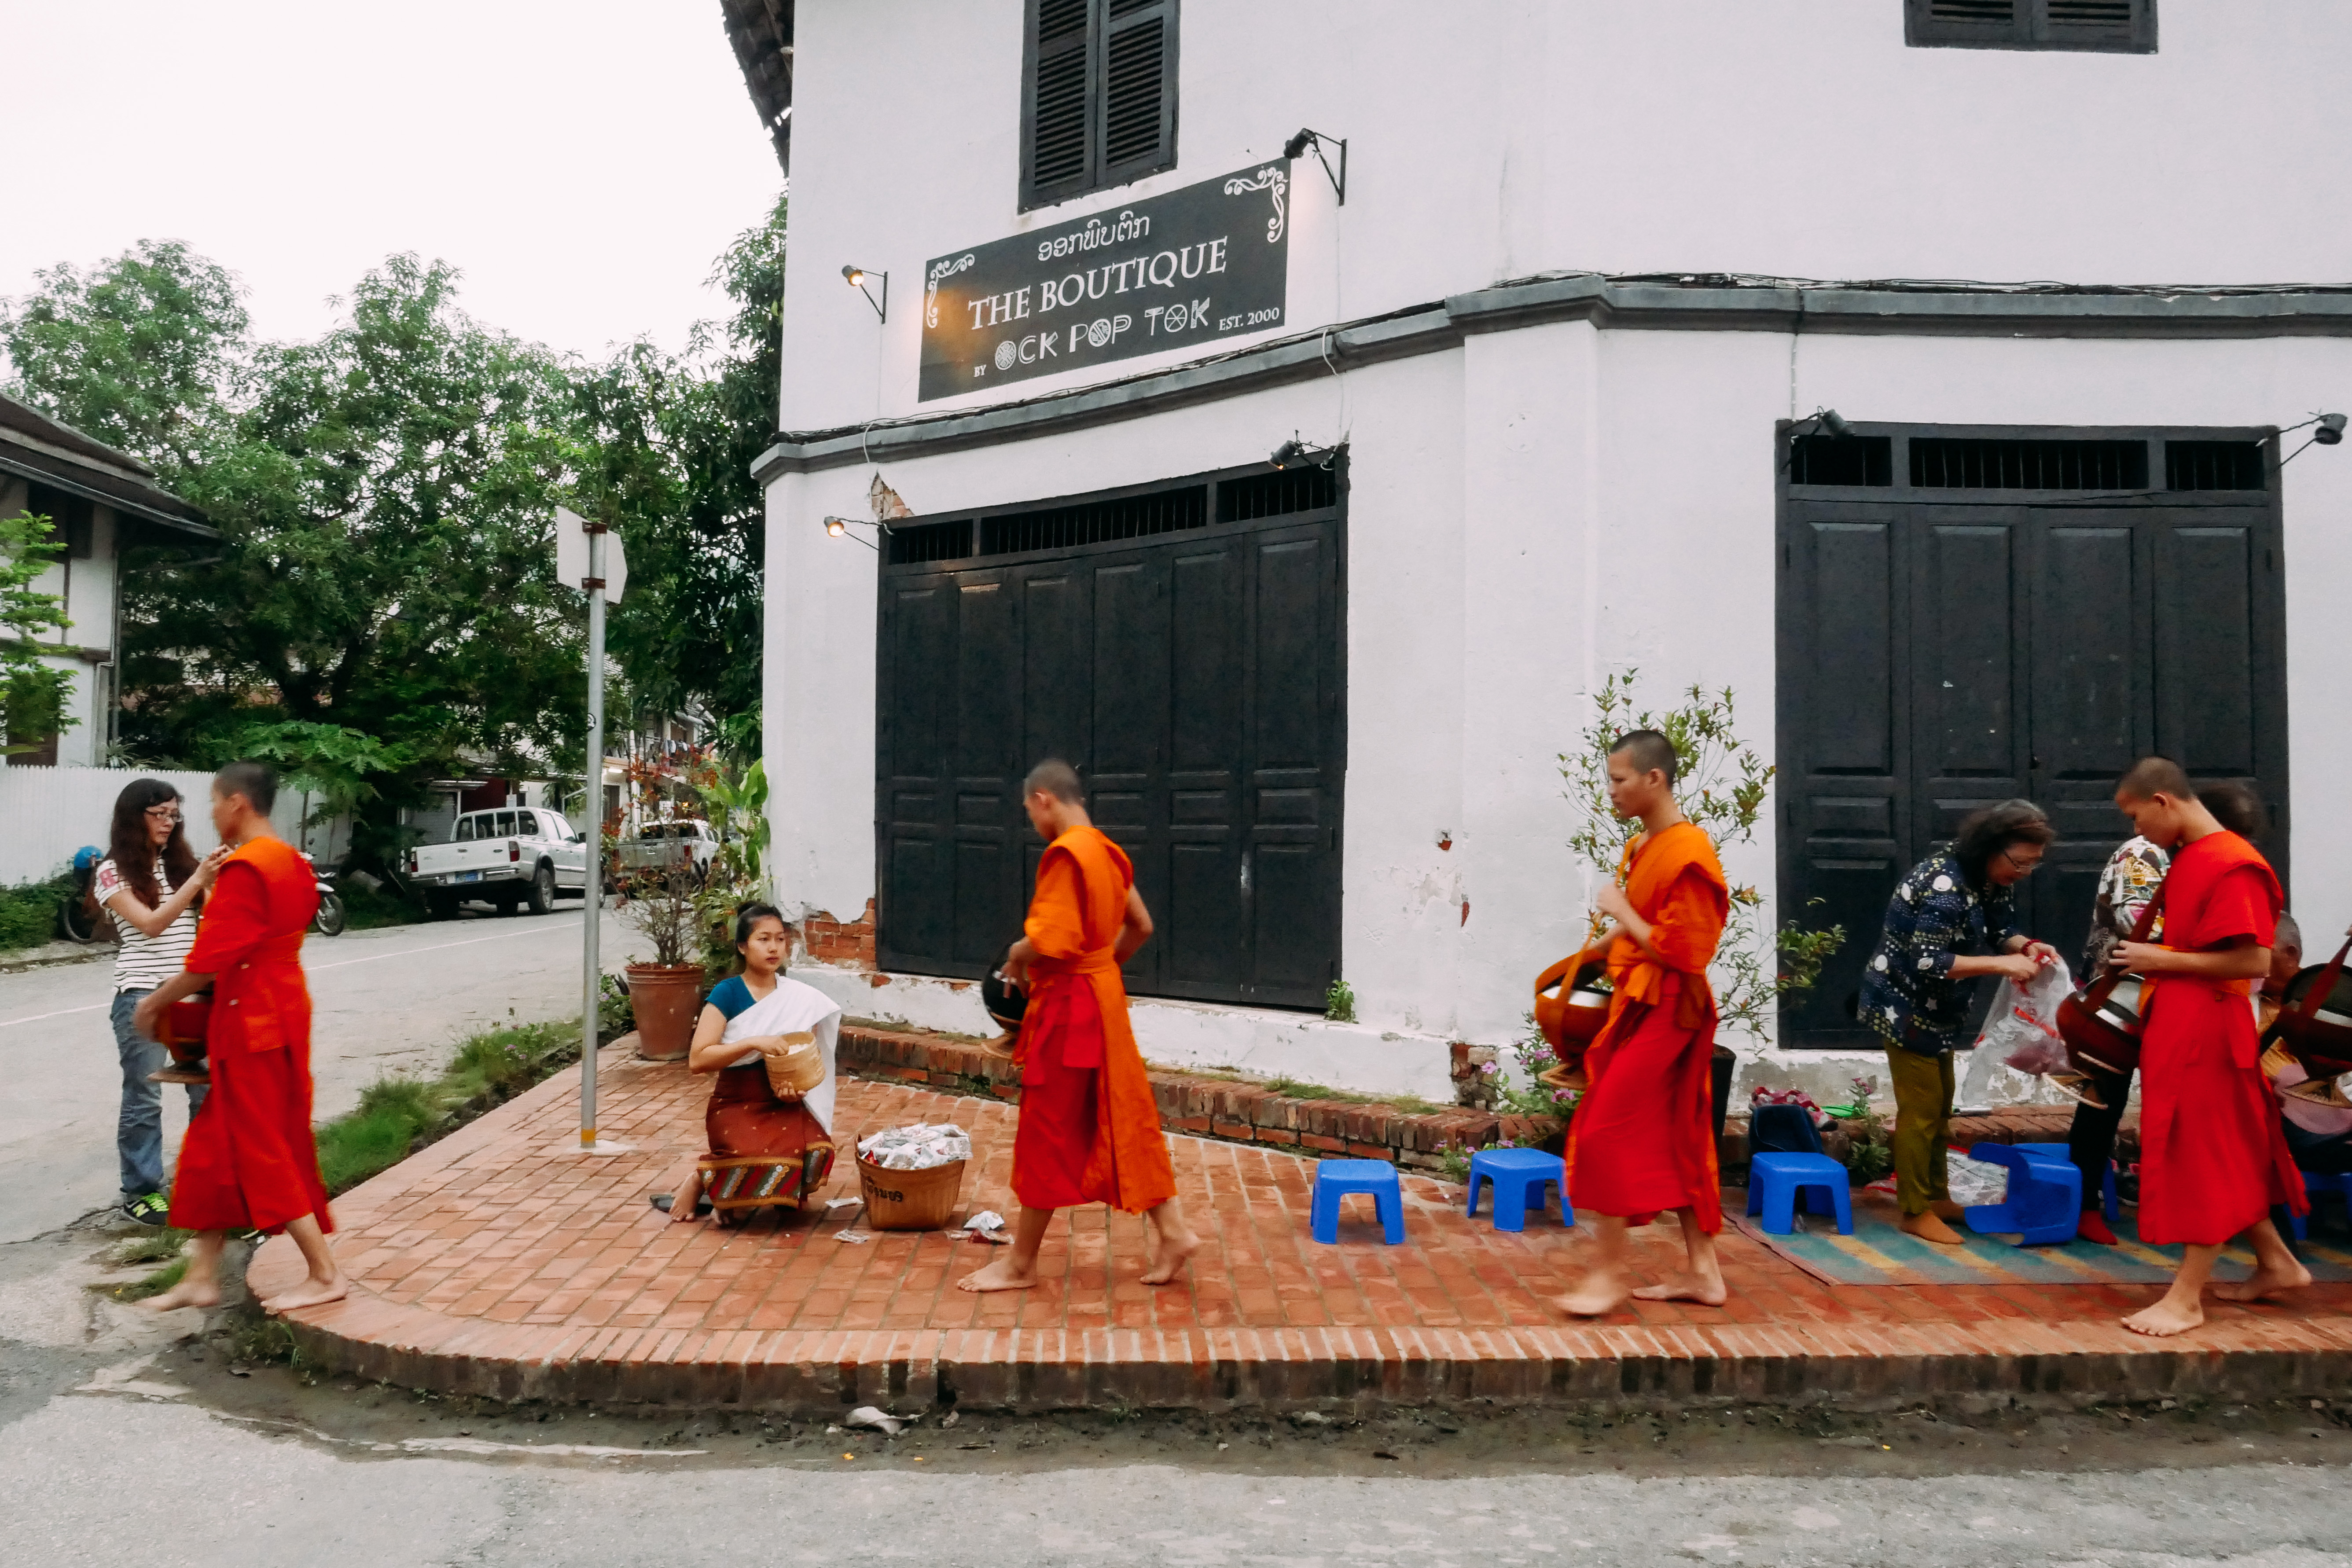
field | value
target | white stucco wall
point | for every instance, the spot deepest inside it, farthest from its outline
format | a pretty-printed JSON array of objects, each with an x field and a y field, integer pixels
[{"x": 1495, "y": 139}]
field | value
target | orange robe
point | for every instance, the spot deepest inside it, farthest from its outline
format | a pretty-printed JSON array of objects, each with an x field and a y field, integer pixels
[
  {"x": 1089, "y": 1129},
  {"x": 2213, "y": 1158},
  {"x": 1642, "y": 1141},
  {"x": 250, "y": 1160}
]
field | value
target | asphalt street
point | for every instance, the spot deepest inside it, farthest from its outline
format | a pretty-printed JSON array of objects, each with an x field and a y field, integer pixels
[{"x": 389, "y": 1002}]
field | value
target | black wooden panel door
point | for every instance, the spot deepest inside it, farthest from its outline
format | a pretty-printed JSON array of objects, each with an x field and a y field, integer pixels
[
  {"x": 1197, "y": 682},
  {"x": 1937, "y": 657}
]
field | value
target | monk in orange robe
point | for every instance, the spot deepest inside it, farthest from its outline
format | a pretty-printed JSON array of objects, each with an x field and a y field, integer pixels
[
  {"x": 1642, "y": 1141},
  {"x": 1089, "y": 1129},
  {"x": 2213, "y": 1158},
  {"x": 250, "y": 1161}
]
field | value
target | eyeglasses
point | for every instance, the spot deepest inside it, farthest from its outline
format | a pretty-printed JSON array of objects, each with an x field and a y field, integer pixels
[
  {"x": 2022, "y": 867},
  {"x": 166, "y": 813}
]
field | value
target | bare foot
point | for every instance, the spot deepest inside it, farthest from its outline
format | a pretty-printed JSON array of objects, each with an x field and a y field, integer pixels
[
  {"x": 186, "y": 1293},
  {"x": 1928, "y": 1228},
  {"x": 1168, "y": 1258},
  {"x": 1707, "y": 1292},
  {"x": 2165, "y": 1318},
  {"x": 999, "y": 1275},
  {"x": 1600, "y": 1295},
  {"x": 2264, "y": 1283},
  {"x": 309, "y": 1293},
  {"x": 1947, "y": 1210}
]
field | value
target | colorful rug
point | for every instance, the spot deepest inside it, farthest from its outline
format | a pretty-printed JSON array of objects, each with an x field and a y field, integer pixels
[{"x": 1879, "y": 1254}]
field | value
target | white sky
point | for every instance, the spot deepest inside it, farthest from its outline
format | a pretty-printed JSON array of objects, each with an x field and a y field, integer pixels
[{"x": 582, "y": 164}]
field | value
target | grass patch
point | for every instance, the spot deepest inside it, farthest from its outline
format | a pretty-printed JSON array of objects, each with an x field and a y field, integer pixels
[
  {"x": 156, "y": 1284},
  {"x": 153, "y": 1247},
  {"x": 29, "y": 912},
  {"x": 369, "y": 909}
]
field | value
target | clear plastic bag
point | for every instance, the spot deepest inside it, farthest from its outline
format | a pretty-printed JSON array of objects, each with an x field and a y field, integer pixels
[{"x": 2024, "y": 1022}]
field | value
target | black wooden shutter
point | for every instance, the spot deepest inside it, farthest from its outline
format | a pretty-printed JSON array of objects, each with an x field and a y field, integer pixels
[
  {"x": 2115, "y": 26},
  {"x": 1098, "y": 96}
]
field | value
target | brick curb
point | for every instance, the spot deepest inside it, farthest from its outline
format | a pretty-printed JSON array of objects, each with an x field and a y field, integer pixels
[{"x": 811, "y": 1373}]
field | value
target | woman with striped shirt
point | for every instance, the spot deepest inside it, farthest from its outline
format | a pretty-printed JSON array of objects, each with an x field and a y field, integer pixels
[{"x": 150, "y": 882}]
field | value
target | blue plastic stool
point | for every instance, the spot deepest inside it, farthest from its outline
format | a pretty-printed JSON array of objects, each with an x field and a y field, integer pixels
[
  {"x": 2045, "y": 1194},
  {"x": 2107, "y": 1204},
  {"x": 1516, "y": 1180},
  {"x": 2315, "y": 1185},
  {"x": 1335, "y": 1179},
  {"x": 1777, "y": 1184}
]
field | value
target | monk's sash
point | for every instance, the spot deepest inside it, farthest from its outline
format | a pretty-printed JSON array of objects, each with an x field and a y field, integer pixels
[
  {"x": 2195, "y": 873},
  {"x": 1648, "y": 875}
]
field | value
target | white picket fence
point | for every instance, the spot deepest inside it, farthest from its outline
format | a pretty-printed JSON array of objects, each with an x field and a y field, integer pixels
[{"x": 49, "y": 813}]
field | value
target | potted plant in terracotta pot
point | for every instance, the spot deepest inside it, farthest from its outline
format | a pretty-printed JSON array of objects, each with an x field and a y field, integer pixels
[{"x": 665, "y": 995}]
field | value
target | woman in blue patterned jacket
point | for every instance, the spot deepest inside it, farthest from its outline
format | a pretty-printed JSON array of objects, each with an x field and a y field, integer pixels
[{"x": 1952, "y": 919}]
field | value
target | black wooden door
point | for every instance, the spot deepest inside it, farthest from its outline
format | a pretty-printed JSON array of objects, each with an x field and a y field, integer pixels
[
  {"x": 1937, "y": 656},
  {"x": 1195, "y": 680}
]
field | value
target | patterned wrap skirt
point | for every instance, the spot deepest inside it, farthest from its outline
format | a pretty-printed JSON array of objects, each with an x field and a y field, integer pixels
[{"x": 765, "y": 1152}]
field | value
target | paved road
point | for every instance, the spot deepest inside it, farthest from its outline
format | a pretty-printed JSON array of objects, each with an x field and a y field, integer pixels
[{"x": 389, "y": 1002}]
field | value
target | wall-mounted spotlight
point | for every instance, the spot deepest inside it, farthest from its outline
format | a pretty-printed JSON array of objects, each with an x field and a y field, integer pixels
[
  {"x": 2328, "y": 432},
  {"x": 1297, "y": 454},
  {"x": 839, "y": 526},
  {"x": 1297, "y": 145},
  {"x": 1824, "y": 422},
  {"x": 857, "y": 276}
]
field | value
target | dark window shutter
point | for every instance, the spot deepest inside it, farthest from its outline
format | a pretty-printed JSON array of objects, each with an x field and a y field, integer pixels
[
  {"x": 2114, "y": 26},
  {"x": 1098, "y": 96}
]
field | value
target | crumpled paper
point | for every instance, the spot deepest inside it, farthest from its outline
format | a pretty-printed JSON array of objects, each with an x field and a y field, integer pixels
[
  {"x": 918, "y": 1148},
  {"x": 867, "y": 1416},
  {"x": 986, "y": 1226}
]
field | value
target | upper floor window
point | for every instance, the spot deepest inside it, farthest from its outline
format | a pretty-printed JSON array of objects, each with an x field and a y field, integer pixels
[
  {"x": 1098, "y": 96},
  {"x": 2112, "y": 27}
]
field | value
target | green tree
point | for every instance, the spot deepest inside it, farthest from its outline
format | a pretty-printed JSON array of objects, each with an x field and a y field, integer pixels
[
  {"x": 32, "y": 693},
  {"x": 140, "y": 352},
  {"x": 676, "y": 439},
  {"x": 385, "y": 497}
]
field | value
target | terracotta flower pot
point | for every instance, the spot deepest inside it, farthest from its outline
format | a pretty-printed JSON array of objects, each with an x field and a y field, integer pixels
[{"x": 665, "y": 999}]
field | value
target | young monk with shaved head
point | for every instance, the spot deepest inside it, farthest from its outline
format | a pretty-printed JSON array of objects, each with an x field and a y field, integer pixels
[
  {"x": 1642, "y": 1141},
  {"x": 1089, "y": 1129},
  {"x": 2212, "y": 1158}
]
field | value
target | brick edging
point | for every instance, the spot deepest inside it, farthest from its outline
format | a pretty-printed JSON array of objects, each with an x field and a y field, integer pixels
[
  {"x": 1235, "y": 1110},
  {"x": 813, "y": 1372}
]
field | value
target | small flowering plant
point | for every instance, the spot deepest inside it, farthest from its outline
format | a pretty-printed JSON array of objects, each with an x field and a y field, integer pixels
[{"x": 1764, "y": 1095}]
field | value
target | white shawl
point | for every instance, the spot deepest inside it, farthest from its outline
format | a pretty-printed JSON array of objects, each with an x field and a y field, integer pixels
[{"x": 789, "y": 1008}]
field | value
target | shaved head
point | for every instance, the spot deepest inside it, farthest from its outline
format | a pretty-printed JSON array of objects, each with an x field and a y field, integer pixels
[
  {"x": 2288, "y": 934},
  {"x": 1648, "y": 751},
  {"x": 2153, "y": 776},
  {"x": 1055, "y": 777}
]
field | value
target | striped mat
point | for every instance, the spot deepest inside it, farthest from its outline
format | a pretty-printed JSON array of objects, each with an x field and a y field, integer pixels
[{"x": 1879, "y": 1254}]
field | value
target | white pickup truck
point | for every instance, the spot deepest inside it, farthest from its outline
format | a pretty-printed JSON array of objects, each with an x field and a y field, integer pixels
[
  {"x": 687, "y": 841},
  {"x": 513, "y": 857}
]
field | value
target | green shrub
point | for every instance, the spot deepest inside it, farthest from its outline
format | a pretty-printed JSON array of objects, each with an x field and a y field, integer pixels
[
  {"x": 367, "y": 908},
  {"x": 29, "y": 912}
]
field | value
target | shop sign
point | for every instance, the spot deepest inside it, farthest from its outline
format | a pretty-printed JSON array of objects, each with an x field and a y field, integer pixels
[{"x": 1206, "y": 262}]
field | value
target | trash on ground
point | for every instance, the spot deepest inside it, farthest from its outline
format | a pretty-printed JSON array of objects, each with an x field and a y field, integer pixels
[
  {"x": 867, "y": 1416},
  {"x": 921, "y": 1147},
  {"x": 853, "y": 1236},
  {"x": 986, "y": 1226},
  {"x": 952, "y": 1416},
  {"x": 832, "y": 1204},
  {"x": 1976, "y": 1181}
]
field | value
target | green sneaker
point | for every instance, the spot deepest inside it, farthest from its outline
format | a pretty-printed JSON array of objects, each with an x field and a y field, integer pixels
[{"x": 149, "y": 1208}]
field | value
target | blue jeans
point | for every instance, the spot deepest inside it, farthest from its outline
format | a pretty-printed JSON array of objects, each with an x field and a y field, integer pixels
[{"x": 139, "y": 1134}]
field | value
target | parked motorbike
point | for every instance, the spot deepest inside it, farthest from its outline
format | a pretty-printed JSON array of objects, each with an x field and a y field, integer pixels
[
  {"x": 330, "y": 920},
  {"x": 79, "y": 918}
]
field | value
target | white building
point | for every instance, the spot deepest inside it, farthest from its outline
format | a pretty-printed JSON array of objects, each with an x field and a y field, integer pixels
[
  {"x": 1597, "y": 270},
  {"x": 100, "y": 502}
]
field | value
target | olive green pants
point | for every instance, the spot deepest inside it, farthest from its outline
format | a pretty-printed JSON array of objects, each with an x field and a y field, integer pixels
[{"x": 1923, "y": 1125}]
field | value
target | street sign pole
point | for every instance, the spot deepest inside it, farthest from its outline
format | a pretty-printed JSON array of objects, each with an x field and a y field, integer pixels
[{"x": 591, "y": 774}]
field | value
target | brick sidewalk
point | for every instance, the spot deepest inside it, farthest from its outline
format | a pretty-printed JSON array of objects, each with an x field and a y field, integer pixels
[{"x": 501, "y": 1261}]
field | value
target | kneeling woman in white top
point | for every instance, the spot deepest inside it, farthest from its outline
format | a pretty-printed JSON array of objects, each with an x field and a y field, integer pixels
[{"x": 771, "y": 1146}]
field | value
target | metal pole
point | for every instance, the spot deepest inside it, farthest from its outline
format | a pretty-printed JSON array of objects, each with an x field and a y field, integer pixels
[{"x": 592, "y": 776}]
